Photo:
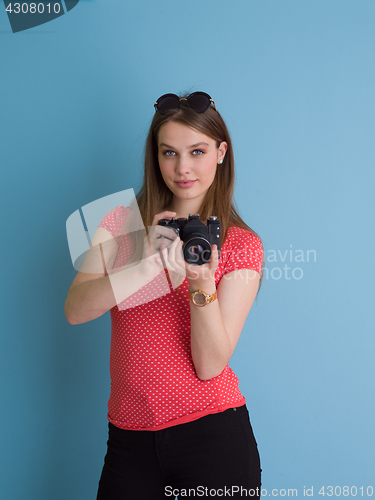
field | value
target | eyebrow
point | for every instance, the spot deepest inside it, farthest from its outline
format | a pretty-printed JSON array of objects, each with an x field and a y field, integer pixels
[{"x": 187, "y": 147}]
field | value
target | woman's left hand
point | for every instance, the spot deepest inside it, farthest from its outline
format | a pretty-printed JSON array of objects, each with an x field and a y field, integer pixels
[
  {"x": 199, "y": 277},
  {"x": 203, "y": 277}
]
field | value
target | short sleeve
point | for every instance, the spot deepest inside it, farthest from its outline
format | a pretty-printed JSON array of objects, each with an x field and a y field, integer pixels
[
  {"x": 244, "y": 251},
  {"x": 114, "y": 221}
]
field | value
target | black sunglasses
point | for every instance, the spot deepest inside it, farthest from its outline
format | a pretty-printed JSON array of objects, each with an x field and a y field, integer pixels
[{"x": 197, "y": 101}]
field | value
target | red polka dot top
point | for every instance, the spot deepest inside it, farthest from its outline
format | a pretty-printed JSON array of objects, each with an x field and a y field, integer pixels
[{"x": 153, "y": 380}]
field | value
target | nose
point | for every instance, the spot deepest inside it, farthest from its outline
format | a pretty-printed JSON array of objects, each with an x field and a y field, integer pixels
[{"x": 182, "y": 165}]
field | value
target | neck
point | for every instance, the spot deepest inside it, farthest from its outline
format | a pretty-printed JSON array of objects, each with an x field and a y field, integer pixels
[{"x": 185, "y": 207}]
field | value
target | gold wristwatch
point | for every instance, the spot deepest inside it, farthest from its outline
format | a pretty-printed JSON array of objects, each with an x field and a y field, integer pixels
[{"x": 200, "y": 298}]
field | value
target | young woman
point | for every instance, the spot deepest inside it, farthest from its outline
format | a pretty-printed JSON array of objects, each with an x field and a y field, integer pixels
[{"x": 178, "y": 423}]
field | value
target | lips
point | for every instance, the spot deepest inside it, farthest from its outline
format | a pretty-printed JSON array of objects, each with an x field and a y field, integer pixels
[{"x": 185, "y": 184}]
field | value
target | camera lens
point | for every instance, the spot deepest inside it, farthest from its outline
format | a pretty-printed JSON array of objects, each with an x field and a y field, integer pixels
[{"x": 197, "y": 250}]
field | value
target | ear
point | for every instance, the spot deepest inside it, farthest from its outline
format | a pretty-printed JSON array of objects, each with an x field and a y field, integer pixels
[{"x": 222, "y": 149}]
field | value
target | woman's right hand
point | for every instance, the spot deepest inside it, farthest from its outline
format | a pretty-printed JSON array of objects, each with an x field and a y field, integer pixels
[{"x": 159, "y": 237}]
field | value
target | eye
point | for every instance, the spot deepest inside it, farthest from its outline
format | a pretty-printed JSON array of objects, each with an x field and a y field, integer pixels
[
  {"x": 198, "y": 152},
  {"x": 168, "y": 152}
]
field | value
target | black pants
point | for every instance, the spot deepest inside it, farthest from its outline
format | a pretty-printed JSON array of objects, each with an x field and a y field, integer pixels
[{"x": 216, "y": 455}]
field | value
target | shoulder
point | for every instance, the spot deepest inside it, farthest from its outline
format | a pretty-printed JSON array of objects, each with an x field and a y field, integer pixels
[
  {"x": 242, "y": 249},
  {"x": 114, "y": 220},
  {"x": 238, "y": 236},
  {"x": 118, "y": 214}
]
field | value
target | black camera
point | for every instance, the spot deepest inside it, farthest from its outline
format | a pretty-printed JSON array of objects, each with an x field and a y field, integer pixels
[{"x": 196, "y": 237}]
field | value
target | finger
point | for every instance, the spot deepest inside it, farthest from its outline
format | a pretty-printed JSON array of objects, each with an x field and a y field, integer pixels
[
  {"x": 159, "y": 231},
  {"x": 176, "y": 264},
  {"x": 168, "y": 265},
  {"x": 170, "y": 258},
  {"x": 215, "y": 252},
  {"x": 214, "y": 259},
  {"x": 166, "y": 231},
  {"x": 180, "y": 256},
  {"x": 162, "y": 255},
  {"x": 155, "y": 245},
  {"x": 162, "y": 234},
  {"x": 163, "y": 215},
  {"x": 175, "y": 257}
]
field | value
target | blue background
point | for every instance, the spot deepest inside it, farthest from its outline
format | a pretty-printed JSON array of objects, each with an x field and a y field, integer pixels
[{"x": 295, "y": 82}]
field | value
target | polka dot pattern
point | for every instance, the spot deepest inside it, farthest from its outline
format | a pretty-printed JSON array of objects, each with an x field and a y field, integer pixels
[{"x": 153, "y": 380}]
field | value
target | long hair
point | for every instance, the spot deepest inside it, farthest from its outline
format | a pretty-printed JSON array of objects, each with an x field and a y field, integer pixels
[{"x": 154, "y": 195}]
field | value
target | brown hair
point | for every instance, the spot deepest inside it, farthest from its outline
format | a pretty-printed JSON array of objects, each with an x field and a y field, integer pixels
[{"x": 154, "y": 196}]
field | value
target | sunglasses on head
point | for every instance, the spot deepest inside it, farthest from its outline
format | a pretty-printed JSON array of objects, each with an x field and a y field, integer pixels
[{"x": 197, "y": 101}]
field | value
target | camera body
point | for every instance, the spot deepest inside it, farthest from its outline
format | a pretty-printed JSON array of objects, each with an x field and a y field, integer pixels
[{"x": 197, "y": 238}]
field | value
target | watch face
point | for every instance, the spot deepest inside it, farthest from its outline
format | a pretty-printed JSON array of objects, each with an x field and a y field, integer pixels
[{"x": 199, "y": 299}]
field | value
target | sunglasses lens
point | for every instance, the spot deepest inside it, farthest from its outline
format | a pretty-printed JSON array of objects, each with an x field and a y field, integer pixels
[
  {"x": 167, "y": 102},
  {"x": 199, "y": 101}
]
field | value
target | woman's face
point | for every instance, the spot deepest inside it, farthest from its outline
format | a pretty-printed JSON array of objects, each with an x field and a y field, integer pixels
[{"x": 188, "y": 160}]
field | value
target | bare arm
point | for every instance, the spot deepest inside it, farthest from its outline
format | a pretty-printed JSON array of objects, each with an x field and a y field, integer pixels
[
  {"x": 216, "y": 327},
  {"x": 90, "y": 298},
  {"x": 93, "y": 292}
]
